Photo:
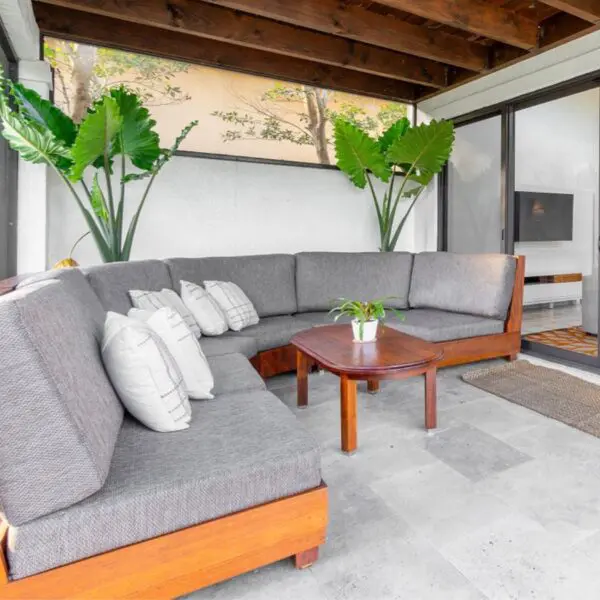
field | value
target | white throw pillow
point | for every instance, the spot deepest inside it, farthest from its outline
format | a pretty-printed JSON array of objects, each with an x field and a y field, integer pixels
[
  {"x": 144, "y": 374},
  {"x": 236, "y": 306},
  {"x": 145, "y": 300},
  {"x": 206, "y": 311},
  {"x": 183, "y": 346}
]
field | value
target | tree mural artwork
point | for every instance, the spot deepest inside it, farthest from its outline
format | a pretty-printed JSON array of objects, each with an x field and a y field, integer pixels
[
  {"x": 302, "y": 115},
  {"x": 84, "y": 73}
]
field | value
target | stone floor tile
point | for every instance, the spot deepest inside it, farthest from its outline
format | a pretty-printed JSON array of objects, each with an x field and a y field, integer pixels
[{"x": 473, "y": 453}]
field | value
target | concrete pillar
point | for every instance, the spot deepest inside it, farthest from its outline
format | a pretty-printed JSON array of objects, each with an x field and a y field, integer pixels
[{"x": 32, "y": 206}]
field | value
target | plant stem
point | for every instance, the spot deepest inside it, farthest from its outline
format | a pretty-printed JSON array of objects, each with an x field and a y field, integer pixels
[
  {"x": 101, "y": 242},
  {"x": 134, "y": 221},
  {"x": 121, "y": 206},
  {"x": 376, "y": 203},
  {"x": 116, "y": 250}
]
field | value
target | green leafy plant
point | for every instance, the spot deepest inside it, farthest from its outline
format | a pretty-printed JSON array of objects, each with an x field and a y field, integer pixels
[
  {"x": 115, "y": 129},
  {"x": 412, "y": 154},
  {"x": 370, "y": 310}
]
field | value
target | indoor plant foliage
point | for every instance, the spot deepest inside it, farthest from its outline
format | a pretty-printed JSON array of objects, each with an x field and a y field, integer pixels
[
  {"x": 413, "y": 154},
  {"x": 365, "y": 316},
  {"x": 116, "y": 130}
]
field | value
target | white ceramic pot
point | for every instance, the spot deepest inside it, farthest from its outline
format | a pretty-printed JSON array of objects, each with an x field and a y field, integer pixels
[{"x": 369, "y": 331}]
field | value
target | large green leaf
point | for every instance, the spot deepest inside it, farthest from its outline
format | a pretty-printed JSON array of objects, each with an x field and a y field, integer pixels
[
  {"x": 45, "y": 113},
  {"x": 138, "y": 141},
  {"x": 426, "y": 147},
  {"x": 392, "y": 133},
  {"x": 165, "y": 155},
  {"x": 98, "y": 202},
  {"x": 357, "y": 154},
  {"x": 96, "y": 136},
  {"x": 32, "y": 144}
]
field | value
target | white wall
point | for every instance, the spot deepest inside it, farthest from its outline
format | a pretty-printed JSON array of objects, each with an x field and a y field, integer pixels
[{"x": 208, "y": 207}]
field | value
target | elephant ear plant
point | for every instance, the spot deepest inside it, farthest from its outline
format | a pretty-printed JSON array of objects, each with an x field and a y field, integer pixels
[
  {"x": 412, "y": 154},
  {"x": 117, "y": 129}
]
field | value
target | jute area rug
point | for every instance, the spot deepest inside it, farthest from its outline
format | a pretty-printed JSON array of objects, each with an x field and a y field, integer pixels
[{"x": 549, "y": 392}]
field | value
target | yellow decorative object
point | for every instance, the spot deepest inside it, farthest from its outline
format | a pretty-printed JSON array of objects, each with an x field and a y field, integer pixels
[
  {"x": 66, "y": 262},
  {"x": 70, "y": 262}
]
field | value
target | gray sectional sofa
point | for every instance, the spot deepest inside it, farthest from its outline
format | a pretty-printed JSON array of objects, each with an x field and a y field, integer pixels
[{"x": 78, "y": 478}]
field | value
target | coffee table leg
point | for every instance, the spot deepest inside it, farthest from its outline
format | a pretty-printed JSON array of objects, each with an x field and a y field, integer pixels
[
  {"x": 430, "y": 399},
  {"x": 302, "y": 367},
  {"x": 348, "y": 414},
  {"x": 372, "y": 386}
]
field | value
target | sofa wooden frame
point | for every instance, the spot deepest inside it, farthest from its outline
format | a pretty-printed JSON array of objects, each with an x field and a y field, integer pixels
[
  {"x": 498, "y": 345},
  {"x": 189, "y": 559}
]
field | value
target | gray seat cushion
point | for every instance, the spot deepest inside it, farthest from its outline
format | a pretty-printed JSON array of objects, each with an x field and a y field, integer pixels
[
  {"x": 228, "y": 343},
  {"x": 476, "y": 284},
  {"x": 440, "y": 326},
  {"x": 241, "y": 450},
  {"x": 59, "y": 415},
  {"x": 112, "y": 282},
  {"x": 273, "y": 332},
  {"x": 268, "y": 280},
  {"x": 321, "y": 277},
  {"x": 78, "y": 286},
  {"x": 234, "y": 373},
  {"x": 321, "y": 317}
]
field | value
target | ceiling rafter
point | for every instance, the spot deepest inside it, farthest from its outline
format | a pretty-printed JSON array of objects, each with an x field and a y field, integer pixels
[
  {"x": 227, "y": 25},
  {"x": 480, "y": 17},
  {"x": 357, "y": 23},
  {"x": 100, "y": 30},
  {"x": 588, "y": 10}
]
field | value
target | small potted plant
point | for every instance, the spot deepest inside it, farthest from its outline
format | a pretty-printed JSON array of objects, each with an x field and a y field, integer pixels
[{"x": 365, "y": 316}]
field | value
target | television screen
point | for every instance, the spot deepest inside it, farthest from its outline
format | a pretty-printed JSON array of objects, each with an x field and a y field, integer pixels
[{"x": 542, "y": 217}]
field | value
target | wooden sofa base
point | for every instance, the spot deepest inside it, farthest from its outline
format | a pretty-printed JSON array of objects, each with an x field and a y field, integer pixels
[
  {"x": 456, "y": 352},
  {"x": 186, "y": 560}
]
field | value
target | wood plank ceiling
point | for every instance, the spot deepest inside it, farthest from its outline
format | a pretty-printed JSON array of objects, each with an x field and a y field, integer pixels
[{"x": 397, "y": 49}]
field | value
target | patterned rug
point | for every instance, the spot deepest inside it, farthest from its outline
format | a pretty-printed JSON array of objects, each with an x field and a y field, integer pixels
[
  {"x": 572, "y": 338},
  {"x": 549, "y": 392}
]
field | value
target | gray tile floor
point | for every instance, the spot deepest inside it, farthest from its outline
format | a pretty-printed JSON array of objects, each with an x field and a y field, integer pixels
[{"x": 499, "y": 502}]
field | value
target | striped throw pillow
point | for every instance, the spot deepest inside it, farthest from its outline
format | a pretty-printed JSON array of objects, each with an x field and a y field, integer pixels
[
  {"x": 236, "y": 306},
  {"x": 145, "y": 300},
  {"x": 145, "y": 374}
]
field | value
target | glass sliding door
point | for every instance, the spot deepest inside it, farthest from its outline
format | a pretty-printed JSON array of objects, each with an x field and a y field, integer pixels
[
  {"x": 475, "y": 211},
  {"x": 557, "y": 156}
]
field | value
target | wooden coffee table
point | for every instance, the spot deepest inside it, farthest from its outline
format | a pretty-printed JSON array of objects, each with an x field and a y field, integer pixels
[{"x": 393, "y": 355}]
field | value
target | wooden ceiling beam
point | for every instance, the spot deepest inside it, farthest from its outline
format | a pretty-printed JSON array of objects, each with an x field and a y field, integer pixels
[
  {"x": 223, "y": 24},
  {"x": 103, "y": 31},
  {"x": 477, "y": 16},
  {"x": 588, "y": 10},
  {"x": 563, "y": 27},
  {"x": 357, "y": 23}
]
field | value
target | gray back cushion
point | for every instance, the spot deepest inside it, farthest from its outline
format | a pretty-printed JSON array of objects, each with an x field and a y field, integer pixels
[
  {"x": 112, "y": 282},
  {"x": 476, "y": 284},
  {"x": 321, "y": 277},
  {"x": 268, "y": 280},
  {"x": 59, "y": 415},
  {"x": 79, "y": 287}
]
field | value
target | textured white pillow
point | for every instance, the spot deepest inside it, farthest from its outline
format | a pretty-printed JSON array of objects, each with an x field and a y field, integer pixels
[
  {"x": 206, "y": 311},
  {"x": 183, "y": 346},
  {"x": 144, "y": 374},
  {"x": 236, "y": 306},
  {"x": 145, "y": 300}
]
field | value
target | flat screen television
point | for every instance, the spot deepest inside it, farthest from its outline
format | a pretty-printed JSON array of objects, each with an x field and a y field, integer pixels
[{"x": 542, "y": 217}]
